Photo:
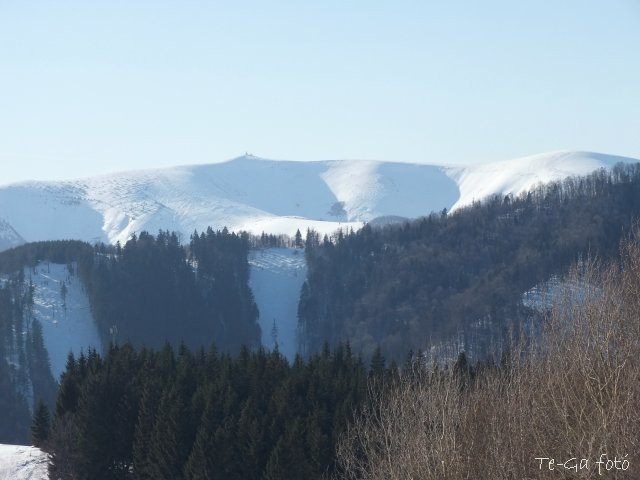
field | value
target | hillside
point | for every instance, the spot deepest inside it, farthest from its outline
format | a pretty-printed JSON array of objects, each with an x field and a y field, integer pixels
[
  {"x": 64, "y": 312},
  {"x": 276, "y": 276},
  {"x": 461, "y": 275},
  {"x": 256, "y": 195},
  {"x": 8, "y": 236}
]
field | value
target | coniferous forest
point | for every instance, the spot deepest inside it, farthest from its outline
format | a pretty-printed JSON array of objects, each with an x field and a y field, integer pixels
[
  {"x": 154, "y": 290},
  {"x": 24, "y": 361},
  {"x": 161, "y": 403},
  {"x": 405, "y": 286},
  {"x": 150, "y": 291},
  {"x": 165, "y": 414}
]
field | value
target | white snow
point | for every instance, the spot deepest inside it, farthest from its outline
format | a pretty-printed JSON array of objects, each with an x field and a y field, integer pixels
[
  {"x": 558, "y": 292},
  {"x": 67, "y": 325},
  {"x": 253, "y": 194},
  {"x": 258, "y": 195},
  {"x": 8, "y": 236},
  {"x": 276, "y": 277},
  {"x": 18, "y": 462},
  {"x": 522, "y": 174}
]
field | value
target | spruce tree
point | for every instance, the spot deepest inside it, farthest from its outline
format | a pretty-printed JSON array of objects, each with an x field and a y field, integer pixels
[{"x": 41, "y": 425}]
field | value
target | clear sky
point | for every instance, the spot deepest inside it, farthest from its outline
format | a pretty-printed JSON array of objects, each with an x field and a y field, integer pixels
[{"x": 97, "y": 86}]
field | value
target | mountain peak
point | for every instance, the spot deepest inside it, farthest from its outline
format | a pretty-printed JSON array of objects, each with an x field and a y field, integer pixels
[
  {"x": 259, "y": 195},
  {"x": 522, "y": 174}
]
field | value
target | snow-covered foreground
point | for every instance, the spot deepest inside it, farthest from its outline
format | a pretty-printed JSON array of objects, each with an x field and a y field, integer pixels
[
  {"x": 277, "y": 275},
  {"x": 18, "y": 462},
  {"x": 254, "y": 194},
  {"x": 67, "y": 323}
]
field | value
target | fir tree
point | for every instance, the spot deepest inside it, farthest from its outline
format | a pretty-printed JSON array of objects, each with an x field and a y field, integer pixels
[{"x": 41, "y": 425}]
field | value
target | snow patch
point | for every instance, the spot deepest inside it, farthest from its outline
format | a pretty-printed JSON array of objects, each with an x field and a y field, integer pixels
[
  {"x": 523, "y": 174},
  {"x": 18, "y": 462},
  {"x": 67, "y": 323},
  {"x": 9, "y": 238},
  {"x": 276, "y": 277}
]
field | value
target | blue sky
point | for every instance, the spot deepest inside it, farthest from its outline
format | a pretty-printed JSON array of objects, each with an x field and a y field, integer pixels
[{"x": 98, "y": 86}]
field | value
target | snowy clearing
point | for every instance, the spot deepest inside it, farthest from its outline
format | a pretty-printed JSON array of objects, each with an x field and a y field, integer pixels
[
  {"x": 67, "y": 323},
  {"x": 276, "y": 277}
]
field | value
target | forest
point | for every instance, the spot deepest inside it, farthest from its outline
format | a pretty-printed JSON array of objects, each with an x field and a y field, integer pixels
[
  {"x": 463, "y": 274},
  {"x": 148, "y": 292},
  {"x": 563, "y": 404},
  {"x": 25, "y": 375},
  {"x": 153, "y": 290},
  {"x": 156, "y": 404},
  {"x": 165, "y": 414}
]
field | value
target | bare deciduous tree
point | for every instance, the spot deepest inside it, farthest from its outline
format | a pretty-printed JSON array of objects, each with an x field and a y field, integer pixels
[{"x": 569, "y": 392}]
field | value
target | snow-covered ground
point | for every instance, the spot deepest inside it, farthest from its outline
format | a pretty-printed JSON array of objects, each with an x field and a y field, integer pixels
[
  {"x": 8, "y": 236},
  {"x": 522, "y": 174},
  {"x": 18, "y": 462},
  {"x": 254, "y": 194},
  {"x": 67, "y": 323},
  {"x": 276, "y": 277},
  {"x": 557, "y": 291}
]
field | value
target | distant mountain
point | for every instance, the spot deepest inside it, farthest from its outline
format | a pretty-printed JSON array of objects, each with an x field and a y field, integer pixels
[
  {"x": 258, "y": 195},
  {"x": 522, "y": 174}
]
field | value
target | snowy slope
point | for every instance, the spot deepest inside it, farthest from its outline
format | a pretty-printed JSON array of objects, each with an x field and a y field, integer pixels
[
  {"x": 276, "y": 277},
  {"x": 18, "y": 462},
  {"x": 67, "y": 323},
  {"x": 258, "y": 195},
  {"x": 522, "y": 174},
  {"x": 8, "y": 236}
]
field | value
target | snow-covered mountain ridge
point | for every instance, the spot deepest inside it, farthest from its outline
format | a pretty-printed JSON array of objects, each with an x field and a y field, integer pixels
[{"x": 254, "y": 194}]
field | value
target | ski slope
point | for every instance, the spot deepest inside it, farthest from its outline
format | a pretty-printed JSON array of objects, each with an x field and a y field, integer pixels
[
  {"x": 67, "y": 323},
  {"x": 255, "y": 194},
  {"x": 18, "y": 462},
  {"x": 276, "y": 277}
]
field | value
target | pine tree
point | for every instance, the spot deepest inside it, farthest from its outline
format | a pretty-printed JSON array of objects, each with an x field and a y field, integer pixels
[
  {"x": 164, "y": 453},
  {"x": 288, "y": 459},
  {"x": 274, "y": 335},
  {"x": 41, "y": 425},
  {"x": 69, "y": 391},
  {"x": 144, "y": 429}
]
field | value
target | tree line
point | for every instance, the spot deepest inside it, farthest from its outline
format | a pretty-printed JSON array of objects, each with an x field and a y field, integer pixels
[
  {"x": 25, "y": 374},
  {"x": 448, "y": 275},
  {"x": 183, "y": 414},
  {"x": 153, "y": 289},
  {"x": 148, "y": 291}
]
